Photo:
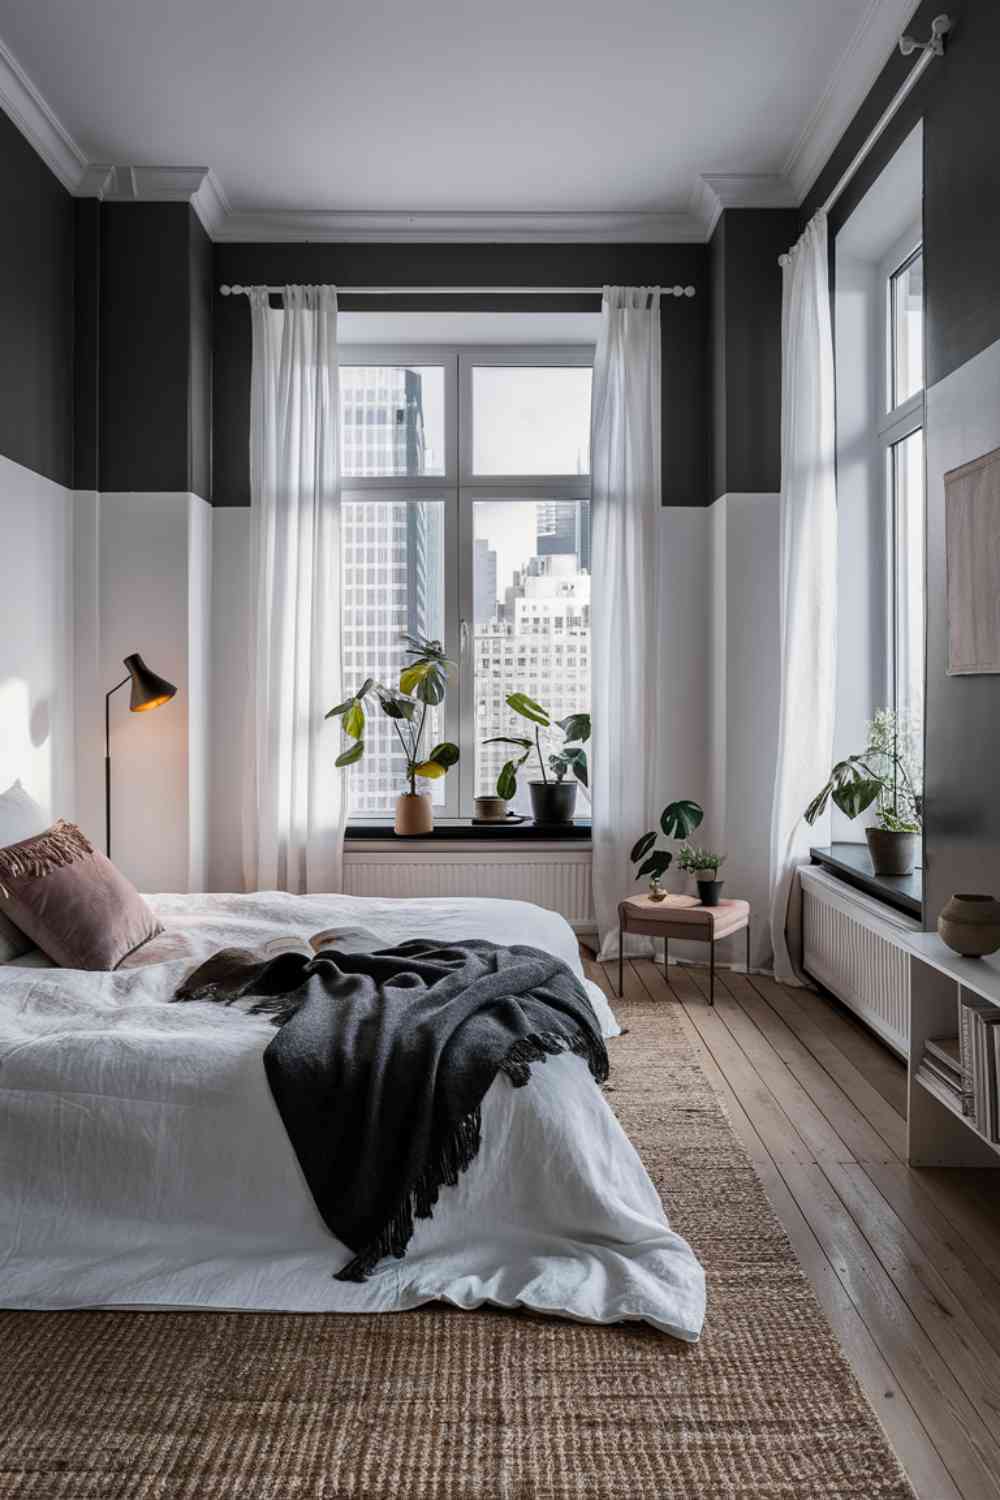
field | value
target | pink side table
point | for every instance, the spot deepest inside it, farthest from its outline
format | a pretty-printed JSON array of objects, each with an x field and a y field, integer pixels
[{"x": 681, "y": 917}]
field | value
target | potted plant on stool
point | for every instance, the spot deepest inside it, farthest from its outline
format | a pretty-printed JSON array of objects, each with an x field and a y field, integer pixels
[
  {"x": 677, "y": 820},
  {"x": 421, "y": 686},
  {"x": 883, "y": 774},
  {"x": 704, "y": 866},
  {"x": 553, "y": 799}
]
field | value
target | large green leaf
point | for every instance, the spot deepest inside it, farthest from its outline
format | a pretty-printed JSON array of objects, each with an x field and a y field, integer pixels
[
  {"x": 507, "y": 782},
  {"x": 415, "y": 673},
  {"x": 576, "y": 727},
  {"x": 340, "y": 709},
  {"x": 853, "y": 797},
  {"x": 430, "y": 770},
  {"x": 396, "y": 707},
  {"x": 365, "y": 688},
  {"x": 680, "y": 819},
  {"x": 817, "y": 805},
  {"x": 431, "y": 689},
  {"x": 445, "y": 754},
  {"x": 528, "y": 708},
  {"x": 354, "y": 720},
  {"x": 349, "y": 756},
  {"x": 576, "y": 759},
  {"x": 642, "y": 846},
  {"x": 509, "y": 739},
  {"x": 657, "y": 864}
]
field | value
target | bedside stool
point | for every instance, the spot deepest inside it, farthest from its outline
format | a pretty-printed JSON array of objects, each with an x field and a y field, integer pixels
[{"x": 681, "y": 917}]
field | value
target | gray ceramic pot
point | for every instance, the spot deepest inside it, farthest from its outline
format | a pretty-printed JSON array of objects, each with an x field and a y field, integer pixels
[
  {"x": 892, "y": 853},
  {"x": 970, "y": 925},
  {"x": 553, "y": 801},
  {"x": 709, "y": 891}
]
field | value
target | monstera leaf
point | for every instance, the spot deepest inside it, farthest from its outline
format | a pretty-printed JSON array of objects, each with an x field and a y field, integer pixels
[
  {"x": 680, "y": 819},
  {"x": 576, "y": 728},
  {"x": 528, "y": 708},
  {"x": 642, "y": 847},
  {"x": 656, "y": 865}
]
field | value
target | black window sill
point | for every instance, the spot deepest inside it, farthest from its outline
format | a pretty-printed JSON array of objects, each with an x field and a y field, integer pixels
[
  {"x": 852, "y": 864},
  {"x": 463, "y": 830}
]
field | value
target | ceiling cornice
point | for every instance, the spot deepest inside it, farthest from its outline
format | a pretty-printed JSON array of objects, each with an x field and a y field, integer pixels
[
  {"x": 867, "y": 54},
  {"x": 719, "y": 190},
  {"x": 458, "y": 228},
  {"x": 38, "y": 123}
]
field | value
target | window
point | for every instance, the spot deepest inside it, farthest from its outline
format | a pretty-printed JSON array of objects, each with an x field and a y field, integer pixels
[
  {"x": 902, "y": 438},
  {"x": 466, "y": 518}
]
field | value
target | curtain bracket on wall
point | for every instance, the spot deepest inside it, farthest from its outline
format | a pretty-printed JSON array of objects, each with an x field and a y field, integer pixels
[{"x": 466, "y": 291}]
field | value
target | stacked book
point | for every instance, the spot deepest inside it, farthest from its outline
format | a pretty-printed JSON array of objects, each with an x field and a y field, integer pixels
[
  {"x": 962, "y": 1071},
  {"x": 941, "y": 1072}
]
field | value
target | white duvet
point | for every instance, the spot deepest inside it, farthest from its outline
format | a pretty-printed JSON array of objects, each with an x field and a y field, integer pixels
[{"x": 143, "y": 1162}]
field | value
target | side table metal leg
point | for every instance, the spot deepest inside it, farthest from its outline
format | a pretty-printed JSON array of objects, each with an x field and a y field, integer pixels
[
  {"x": 748, "y": 945},
  {"x": 666, "y": 959},
  {"x": 621, "y": 960},
  {"x": 711, "y": 974}
]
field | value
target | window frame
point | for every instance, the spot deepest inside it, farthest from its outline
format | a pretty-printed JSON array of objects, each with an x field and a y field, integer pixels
[
  {"x": 896, "y": 423},
  {"x": 459, "y": 489}
]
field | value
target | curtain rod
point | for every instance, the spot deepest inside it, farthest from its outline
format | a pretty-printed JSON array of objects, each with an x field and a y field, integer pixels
[
  {"x": 467, "y": 291},
  {"x": 940, "y": 27}
]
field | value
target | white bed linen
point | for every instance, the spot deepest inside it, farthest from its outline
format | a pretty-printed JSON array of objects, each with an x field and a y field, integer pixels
[{"x": 143, "y": 1162}]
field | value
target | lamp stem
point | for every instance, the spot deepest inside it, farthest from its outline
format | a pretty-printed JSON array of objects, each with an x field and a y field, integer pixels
[{"x": 107, "y": 763}]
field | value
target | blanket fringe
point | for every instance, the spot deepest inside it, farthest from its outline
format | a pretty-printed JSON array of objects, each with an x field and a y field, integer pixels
[
  {"x": 462, "y": 1146},
  {"x": 61, "y": 845}
]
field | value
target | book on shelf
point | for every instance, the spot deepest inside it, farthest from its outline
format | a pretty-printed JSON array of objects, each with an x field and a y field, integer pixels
[
  {"x": 978, "y": 1020},
  {"x": 946, "y": 1050},
  {"x": 947, "y": 1075},
  {"x": 943, "y": 1091}
]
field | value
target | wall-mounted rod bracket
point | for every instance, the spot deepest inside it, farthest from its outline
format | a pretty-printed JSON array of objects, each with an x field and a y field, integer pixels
[{"x": 940, "y": 27}]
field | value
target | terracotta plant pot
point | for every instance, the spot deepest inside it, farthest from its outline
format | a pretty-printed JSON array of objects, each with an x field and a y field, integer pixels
[
  {"x": 891, "y": 853},
  {"x": 414, "y": 814},
  {"x": 970, "y": 925},
  {"x": 553, "y": 801}
]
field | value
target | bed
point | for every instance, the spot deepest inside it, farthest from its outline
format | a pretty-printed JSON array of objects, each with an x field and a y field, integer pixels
[{"x": 143, "y": 1163}]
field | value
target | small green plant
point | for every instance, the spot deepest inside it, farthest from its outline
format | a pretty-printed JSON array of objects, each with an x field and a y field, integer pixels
[
  {"x": 692, "y": 858},
  {"x": 678, "y": 820},
  {"x": 422, "y": 684},
  {"x": 569, "y": 756},
  {"x": 884, "y": 773}
]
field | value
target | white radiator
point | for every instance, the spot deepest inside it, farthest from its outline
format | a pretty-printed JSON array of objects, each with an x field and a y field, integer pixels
[
  {"x": 550, "y": 875},
  {"x": 853, "y": 945}
]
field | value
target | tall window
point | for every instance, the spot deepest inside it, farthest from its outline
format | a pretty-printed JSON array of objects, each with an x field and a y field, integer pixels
[
  {"x": 901, "y": 432},
  {"x": 466, "y": 518}
]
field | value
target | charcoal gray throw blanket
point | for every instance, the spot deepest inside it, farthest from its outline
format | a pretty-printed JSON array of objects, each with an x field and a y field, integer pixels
[{"x": 383, "y": 1059}]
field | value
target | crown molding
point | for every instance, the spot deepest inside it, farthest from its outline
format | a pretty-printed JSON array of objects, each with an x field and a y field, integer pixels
[
  {"x": 347, "y": 227},
  {"x": 868, "y": 51},
  {"x": 38, "y": 123},
  {"x": 716, "y": 191}
]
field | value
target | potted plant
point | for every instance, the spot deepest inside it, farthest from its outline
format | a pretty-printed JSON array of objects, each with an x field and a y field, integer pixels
[
  {"x": 883, "y": 775},
  {"x": 553, "y": 798},
  {"x": 704, "y": 866},
  {"x": 677, "y": 820},
  {"x": 422, "y": 684}
]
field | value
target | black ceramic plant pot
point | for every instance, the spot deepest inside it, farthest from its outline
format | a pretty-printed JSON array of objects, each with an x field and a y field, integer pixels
[
  {"x": 553, "y": 801},
  {"x": 708, "y": 891}
]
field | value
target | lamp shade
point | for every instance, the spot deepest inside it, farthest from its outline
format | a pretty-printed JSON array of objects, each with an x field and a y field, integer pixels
[{"x": 148, "y": 690}]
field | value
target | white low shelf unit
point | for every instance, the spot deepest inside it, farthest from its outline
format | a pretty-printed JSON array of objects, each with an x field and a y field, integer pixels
[
  {"x": 938, "y": 1134},
  {"x": 856, "y": 947}
]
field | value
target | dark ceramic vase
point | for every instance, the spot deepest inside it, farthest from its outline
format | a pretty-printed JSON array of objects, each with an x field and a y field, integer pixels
[
  {"x": 709, "y": 891},
  {"x": 553, "y": 801}
]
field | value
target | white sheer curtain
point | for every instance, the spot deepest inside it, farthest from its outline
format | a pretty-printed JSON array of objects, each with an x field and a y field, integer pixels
[
  {"x": 808, "y": 581},
  {"x": 295, "y": 802},
  {"x": 626, "y": 495}
]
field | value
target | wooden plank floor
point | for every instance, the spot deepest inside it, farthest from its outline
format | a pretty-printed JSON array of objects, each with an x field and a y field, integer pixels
[{"x": 906, "y": 1263}]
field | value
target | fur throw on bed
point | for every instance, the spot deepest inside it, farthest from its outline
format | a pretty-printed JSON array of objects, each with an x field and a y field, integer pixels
[{"x": 383, "y": 1059}]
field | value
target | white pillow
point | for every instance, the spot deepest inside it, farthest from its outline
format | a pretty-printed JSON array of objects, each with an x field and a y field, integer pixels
[{"x": 21, "y": 817}]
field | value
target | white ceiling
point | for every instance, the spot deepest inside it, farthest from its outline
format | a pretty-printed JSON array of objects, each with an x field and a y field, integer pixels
[{"x": 530, "y": 107}]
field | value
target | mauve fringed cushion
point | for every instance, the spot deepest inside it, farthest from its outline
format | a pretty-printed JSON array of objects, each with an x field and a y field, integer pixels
[{"x": 71, "y": 901}]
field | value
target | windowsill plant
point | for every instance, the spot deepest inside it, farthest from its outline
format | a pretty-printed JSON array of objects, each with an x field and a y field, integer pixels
[
  {"x": 883, "y": 776},
  {"x": 553, "y": 798},
  {"x": 422, "y": 685}
]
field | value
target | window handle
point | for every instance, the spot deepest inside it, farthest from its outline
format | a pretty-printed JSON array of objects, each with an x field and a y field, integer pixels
[{"x": 464, "y": 636}]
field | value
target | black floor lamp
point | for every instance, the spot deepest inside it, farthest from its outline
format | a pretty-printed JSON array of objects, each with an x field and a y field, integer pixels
[{"x": 148, "y": 691}]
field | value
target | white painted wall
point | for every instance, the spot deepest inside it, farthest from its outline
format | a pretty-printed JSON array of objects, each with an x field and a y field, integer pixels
[
  {"x": 230, "y": 613},
  {"x": 144, "y": 561},
  {"x": 36, "y": 638}
]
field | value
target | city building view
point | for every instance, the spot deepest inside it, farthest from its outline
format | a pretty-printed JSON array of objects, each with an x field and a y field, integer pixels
[{"x": 530, "y": 594}]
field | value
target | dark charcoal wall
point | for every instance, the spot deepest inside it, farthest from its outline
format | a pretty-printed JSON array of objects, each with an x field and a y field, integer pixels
[
  {"x": 685, "y": 326},
  {"x": 959, "y": 102},
  {"x": 746, "y": 348},
  {"x": 143, "y": 348},
  {"x": 36, "y": 312}
]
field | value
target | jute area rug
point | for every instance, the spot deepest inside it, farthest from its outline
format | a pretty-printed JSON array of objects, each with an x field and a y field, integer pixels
[{"x": 446, "y": 1405}]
